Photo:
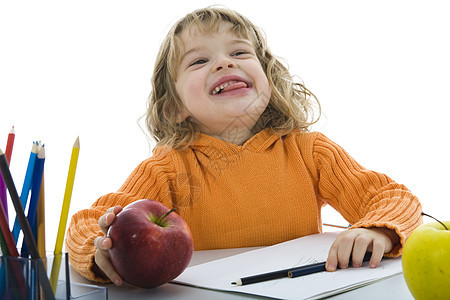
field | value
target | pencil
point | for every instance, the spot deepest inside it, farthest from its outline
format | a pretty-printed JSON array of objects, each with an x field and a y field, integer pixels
[
  {"x": 3, "y": 195},
  {"x": 36, "y": 187},
  {"x": 6, "y": 233},
  {"x": 26, "y": 186},
  {"x": 336, "y": 226},
  {"x": 28, "y": 235},
  {"x": 291, "y": 272},
  {"x": 307, "y": 270},
  {"x": 10, "y": 145},
  {"x": 8, "y": 153},
  {"x": 316, "y": 268},
  {"x": 7, "y": 236},
  {"x": 41, "y": 220},
  {"x": 261, "y": 277},
  {"x": 32, "y": 209},
  {"x": 67, "y": 197},
  {"x": 12, "y": 268},
  {"x": 8, "y": 247},
  {"x": 64, "y": 214}
]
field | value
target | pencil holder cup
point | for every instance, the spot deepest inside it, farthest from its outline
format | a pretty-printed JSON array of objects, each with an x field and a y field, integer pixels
[{"x": 29, "y": 279}]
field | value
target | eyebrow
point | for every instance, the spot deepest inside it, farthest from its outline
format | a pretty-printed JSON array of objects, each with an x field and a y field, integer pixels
[{"x": 233, "y": 42}]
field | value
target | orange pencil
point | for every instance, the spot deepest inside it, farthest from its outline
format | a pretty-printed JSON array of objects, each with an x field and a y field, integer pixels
[{"x": 41, "y": 220}]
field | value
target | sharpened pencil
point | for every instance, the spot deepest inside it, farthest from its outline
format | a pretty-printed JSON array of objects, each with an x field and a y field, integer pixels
[
  {"x": 64, "y": 214},
  {"x": 336, "y": 226},
  {"x": 26, "y": 187},
  {"x": 291, "y": 272},
  {"x": 8, "y": 154},
  {"x": 27, "y": 233},
  {"x": 261, "y": 277},
  {"x": 10, "y": 145},
  {"x": 35, "y": 191},
  {"x": 67, "y": 197},
  {"x": 316, "y": 268}
]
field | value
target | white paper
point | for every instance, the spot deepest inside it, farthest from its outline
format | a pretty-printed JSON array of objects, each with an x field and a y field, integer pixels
[{"x": 219, "y": 274}]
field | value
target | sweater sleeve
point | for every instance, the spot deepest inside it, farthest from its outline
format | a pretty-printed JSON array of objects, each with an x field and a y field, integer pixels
[
  {"x": 363, "y": 197},
  {"x": 150, "y": 180}
]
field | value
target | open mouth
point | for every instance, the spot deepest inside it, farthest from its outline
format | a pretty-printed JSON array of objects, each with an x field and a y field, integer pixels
[{"x": 229, "y": 86}]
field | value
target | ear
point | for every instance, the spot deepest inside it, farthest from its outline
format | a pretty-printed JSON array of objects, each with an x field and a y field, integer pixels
[{"x": 182, "y": 115}]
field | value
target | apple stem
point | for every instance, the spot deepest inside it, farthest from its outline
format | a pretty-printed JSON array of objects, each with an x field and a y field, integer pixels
[
  {"x": 424, "y": 214},
  {"x": 166, "y": 214}
]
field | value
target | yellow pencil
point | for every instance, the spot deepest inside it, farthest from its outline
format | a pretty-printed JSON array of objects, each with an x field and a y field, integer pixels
[{"x": 64, "y": 214}]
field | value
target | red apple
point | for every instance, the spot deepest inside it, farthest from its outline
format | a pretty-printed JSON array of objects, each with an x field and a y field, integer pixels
[{"x": 151, "y": 245}]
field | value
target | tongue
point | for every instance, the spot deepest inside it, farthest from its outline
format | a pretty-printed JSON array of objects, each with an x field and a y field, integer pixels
[{"x": 234, "y": 86}]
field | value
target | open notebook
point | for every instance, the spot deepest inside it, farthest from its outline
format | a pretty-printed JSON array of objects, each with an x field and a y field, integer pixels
[{"x": 219, "y": 274}]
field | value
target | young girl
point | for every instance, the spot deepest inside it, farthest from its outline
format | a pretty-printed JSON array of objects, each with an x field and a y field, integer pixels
[{"x": 235, "y": 158}]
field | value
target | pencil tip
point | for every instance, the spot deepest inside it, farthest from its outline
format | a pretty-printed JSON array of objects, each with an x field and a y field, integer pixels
[
  {"x": 77, "y": 143},
  {"x": 35, "y": 147},
  {"x": 12, "y": 130},
  {"x": 41, "y": 153},
  {"x": 237, "y": 282}
]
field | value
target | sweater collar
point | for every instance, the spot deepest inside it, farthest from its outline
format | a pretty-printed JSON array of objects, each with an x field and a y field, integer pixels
[{"x": 257, "y": 143}]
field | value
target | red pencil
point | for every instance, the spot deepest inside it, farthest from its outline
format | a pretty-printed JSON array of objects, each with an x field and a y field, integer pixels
[
  {"x": 10, "y": 145},
  {"x": 4, "y": 224},
  {"x": 8, "y": 154},
  {"x": 17, "y": 275},
  {"x": 7, "y": 235}
]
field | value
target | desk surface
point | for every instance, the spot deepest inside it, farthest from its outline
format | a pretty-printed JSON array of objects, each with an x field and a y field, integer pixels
[{"x": 391, "y": 288}]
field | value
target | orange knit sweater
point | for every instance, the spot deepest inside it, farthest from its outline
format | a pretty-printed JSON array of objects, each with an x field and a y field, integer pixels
[{"x": 269, "y": 190}]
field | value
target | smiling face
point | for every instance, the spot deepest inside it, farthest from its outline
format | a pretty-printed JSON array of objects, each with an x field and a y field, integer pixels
[{"x": 221, "y": 83}]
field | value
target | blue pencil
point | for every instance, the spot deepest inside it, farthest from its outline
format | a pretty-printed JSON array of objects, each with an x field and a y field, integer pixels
[
  {"x": 35, "y": 188},
  {"x": 26, "y": 187},
  {"x": 32, "y": 211}
]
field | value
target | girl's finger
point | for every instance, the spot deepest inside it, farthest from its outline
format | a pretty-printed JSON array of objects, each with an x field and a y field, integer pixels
[
  {"x": 332, "y": 260},
  {"x": 377, "y": 253},
  {"x": 359, "y": 250},
  {"x": 105, "y": 265}
]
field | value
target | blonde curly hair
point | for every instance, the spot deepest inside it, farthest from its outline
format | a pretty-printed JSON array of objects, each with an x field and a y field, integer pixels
[{"x": 290, "y": 106}]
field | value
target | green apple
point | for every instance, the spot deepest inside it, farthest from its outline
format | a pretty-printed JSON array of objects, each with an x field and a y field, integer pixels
[{"x": 426, "y": 261}]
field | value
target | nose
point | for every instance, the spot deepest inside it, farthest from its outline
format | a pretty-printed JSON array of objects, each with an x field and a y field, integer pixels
[{"x": 223, "y": 63}]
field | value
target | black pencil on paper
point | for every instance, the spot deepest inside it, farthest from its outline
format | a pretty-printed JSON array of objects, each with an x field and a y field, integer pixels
[
  {"x": 261, "y": 277},
  {"x": 26, "y": 229},
  {"x": 278, "y": 274},
  {"x": 316, "y": 268},
  {"x": 307, "y": 270},
  {"x": 291, "y": 272}
]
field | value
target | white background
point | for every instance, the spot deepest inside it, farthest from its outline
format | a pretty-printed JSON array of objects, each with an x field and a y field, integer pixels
[{"x": 381, "y": 70}]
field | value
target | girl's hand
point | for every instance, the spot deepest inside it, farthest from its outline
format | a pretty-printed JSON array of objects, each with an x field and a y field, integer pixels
[
  {"x": 355, "y": 242},
  {"x": 103, "y": 266}
]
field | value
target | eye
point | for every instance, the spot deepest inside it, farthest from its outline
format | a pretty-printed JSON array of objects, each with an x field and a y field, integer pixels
[
  {"x": 198, "y": 62},
  {"x": 240, "y": 52}
]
